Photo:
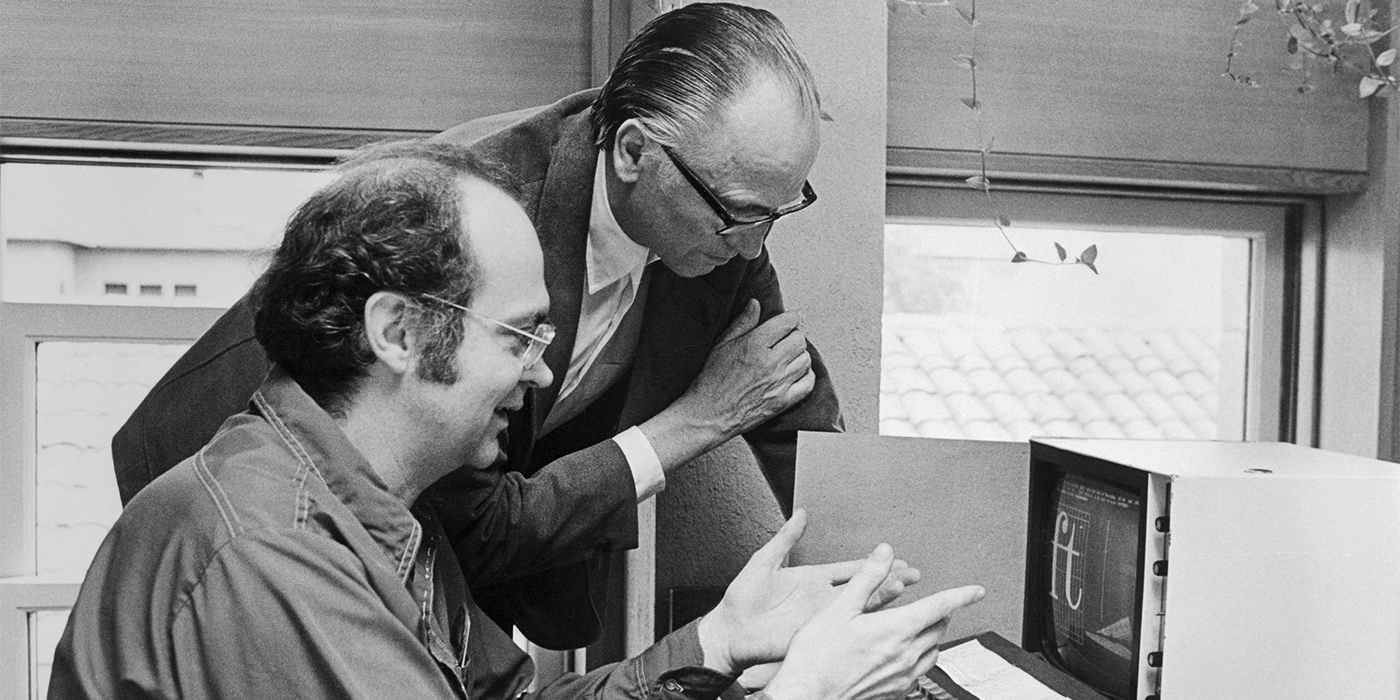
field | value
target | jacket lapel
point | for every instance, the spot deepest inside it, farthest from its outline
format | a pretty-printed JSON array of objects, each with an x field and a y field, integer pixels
[{"x": 562, "y": 215}]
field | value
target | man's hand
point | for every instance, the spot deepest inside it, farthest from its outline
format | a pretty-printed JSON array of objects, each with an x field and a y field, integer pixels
[
  {"x": 754, "y": 372},
  {"x": 767, "y": 602},
  {"x": 845, "y": 653}
]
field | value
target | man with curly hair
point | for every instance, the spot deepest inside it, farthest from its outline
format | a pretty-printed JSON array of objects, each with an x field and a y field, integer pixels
[
  {"x": 652, "y": 198},
  {"x": 405, "y": 314}
]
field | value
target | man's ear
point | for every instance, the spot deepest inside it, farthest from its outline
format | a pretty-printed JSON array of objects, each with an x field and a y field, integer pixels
[
  {"x": 628, "y": 145},
  {"x": 386, "y": 330}
]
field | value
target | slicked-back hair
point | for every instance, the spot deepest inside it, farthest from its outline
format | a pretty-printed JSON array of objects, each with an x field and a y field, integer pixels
[
  {"x": 391, "y": 222},
  {"x": 687, "y": 65}
]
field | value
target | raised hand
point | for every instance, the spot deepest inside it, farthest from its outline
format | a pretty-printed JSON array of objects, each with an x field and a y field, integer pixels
[
  {"x": 845, "y": 653},
  {"x": 768, "y": 602},
  {"x": 754, "y": 372}
]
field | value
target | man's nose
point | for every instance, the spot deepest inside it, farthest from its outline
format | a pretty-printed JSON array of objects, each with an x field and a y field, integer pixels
[
  {"x": 747, "y": 244},
  {"x": 538, "y": 375}
]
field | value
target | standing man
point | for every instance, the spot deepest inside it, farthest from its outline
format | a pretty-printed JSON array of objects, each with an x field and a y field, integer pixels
[
  {"x": 652, "y": 199},
  {"x": 405, "y": 313}
]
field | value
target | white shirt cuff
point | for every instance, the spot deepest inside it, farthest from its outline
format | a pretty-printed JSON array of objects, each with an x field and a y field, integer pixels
[{"x": 642, "y": 459}]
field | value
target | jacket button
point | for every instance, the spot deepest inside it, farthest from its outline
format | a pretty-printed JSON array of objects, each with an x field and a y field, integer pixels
[{"x": 673, "y": 686}]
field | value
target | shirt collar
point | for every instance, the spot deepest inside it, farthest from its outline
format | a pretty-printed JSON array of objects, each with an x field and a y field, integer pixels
[
  {"x": 612, "y": 255},
  {"x": 349, "y": 476}
]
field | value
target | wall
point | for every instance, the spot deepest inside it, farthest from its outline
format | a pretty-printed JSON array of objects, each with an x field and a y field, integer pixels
[
  {"x": 1359, "y": 374},
  {"x": 399, "y": 65},
  {"x": 1129, "y": 91},
  {"x": 717, "y": 511}
]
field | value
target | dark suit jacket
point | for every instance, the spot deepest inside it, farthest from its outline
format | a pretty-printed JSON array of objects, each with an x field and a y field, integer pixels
[{"x": 569, "y": 495}]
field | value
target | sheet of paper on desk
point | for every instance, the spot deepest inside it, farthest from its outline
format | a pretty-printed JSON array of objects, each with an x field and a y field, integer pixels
[{"x": 990, "y": 677}]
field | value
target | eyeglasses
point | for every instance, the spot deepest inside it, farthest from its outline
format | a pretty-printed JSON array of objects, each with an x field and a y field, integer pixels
[
  {"x": 733, "y": 224},
  {"x": 538, "y": 337}
]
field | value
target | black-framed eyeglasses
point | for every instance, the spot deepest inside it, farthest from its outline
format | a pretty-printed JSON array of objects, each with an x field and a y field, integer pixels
[
  {"x": 734, "y": 224},
  {"x": 539, "y": 337}
]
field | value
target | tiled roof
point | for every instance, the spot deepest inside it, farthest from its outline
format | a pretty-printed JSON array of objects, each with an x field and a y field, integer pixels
[
  {"x": 84, "y": 392},
  {"x": 945, "y": 380}
]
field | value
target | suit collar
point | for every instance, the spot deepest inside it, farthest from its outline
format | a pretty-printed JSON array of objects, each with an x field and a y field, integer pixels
[{"x": 562, "y": 219}]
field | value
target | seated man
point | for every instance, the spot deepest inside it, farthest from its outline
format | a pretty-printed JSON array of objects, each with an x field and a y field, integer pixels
[
  {"x": 652, "y": 198},
  {"x": 405, "y": 314}
]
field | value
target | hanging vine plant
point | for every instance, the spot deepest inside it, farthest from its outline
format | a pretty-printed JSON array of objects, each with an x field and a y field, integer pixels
[
  {"x": 1319, "y": 36},
  {"x": 981, "y": 181}
]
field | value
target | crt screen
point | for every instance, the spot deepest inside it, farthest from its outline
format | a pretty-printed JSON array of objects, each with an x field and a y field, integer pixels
[{"x": 1093, "y": 557}]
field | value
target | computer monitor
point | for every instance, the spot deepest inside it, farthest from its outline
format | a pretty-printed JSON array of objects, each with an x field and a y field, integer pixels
[
  {"x": 1160, "y": 569},
  {"x": 1084, "y": 570}
]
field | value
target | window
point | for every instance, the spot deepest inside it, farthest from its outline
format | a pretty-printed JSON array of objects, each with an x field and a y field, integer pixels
[
  {"x": 1189, "y": 331},
  {"x": 78, "y": 350}
]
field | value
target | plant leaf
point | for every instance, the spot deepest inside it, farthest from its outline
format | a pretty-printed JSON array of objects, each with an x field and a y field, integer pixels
[
  {"x": 967, "y": 16},
  {"x": 1370, "y": 85},
  {"x": 977, "y": 182},
  {"x": 1352, "y": 7},
  {"x": 1353, "y": 29},
  {"x": 1089, "y": 255},
  {"x": 972, "y": 104},
  {"x": 1019, "y": 257},
  {"x": 1089, "y": 265},
  {"x": 1003, "y": 221},
  {"x": 965, "y": 60},
  {"x": 1060, "y": 250},
  {"x": 1292, "y": 44},
  {"x": 1386, "y": 58}
]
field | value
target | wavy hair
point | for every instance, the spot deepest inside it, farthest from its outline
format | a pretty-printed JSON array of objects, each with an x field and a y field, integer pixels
[
  {"x": 391, "y": 221},
  {"x": 686, "y": 65}
]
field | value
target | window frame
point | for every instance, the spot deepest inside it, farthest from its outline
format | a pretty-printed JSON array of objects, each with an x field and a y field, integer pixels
[
  {"x": 23, "y": 325},
  {"x": 1284, "y": 339}
]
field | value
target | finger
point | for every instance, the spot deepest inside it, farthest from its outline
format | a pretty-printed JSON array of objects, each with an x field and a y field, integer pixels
[
  {"x": 789, "y": 344},
  {"x": 746, "y": 321},
  {"x": 801, "y": 388},
  {"x": 889, "y": 589},
  {"x": 773, "y": 553},
  {"x": 799, "y": 365},
  {"x": 900, "y": 578},
  {"x": 839, "y": 572},
  {"x": 871, "y": 574},
  {"x": 937, "y": 607},
  {"x": 775, "y": 329}
]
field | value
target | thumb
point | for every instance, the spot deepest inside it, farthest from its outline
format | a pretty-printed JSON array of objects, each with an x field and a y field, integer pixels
[
  {"x": 871, "y": 574},
  {"x": 771, "y": 555},
  {"x": 746, "y": 321}
]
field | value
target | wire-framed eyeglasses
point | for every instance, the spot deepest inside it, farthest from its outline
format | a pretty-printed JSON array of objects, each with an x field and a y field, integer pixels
[
  {"x": 538, "y": 338},
  {"x": 735, "y": 224}
]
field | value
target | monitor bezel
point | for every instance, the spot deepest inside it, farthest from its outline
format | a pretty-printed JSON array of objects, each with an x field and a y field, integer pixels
[{"x": 1046, "y": 464}]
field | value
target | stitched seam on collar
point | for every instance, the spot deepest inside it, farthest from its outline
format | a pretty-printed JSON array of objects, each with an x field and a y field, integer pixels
[
  {"x": 217, "y": 495},
  {"x": 303, "y": 457},
  {"x": 410, "y": 551}
]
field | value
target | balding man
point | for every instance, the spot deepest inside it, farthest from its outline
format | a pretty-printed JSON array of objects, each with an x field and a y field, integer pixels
[
  {"x": 652, "y": 199},
  {"x": 297, "y": 555}
]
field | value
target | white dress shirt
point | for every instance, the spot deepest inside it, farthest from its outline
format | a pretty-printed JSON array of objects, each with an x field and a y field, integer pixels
[{"x": 613, "y": 267}]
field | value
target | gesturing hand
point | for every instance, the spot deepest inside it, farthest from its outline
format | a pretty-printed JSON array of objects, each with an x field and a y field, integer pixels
[
  {"x": 768, "y": 602},
  {"x": 845, "y": 653}
]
